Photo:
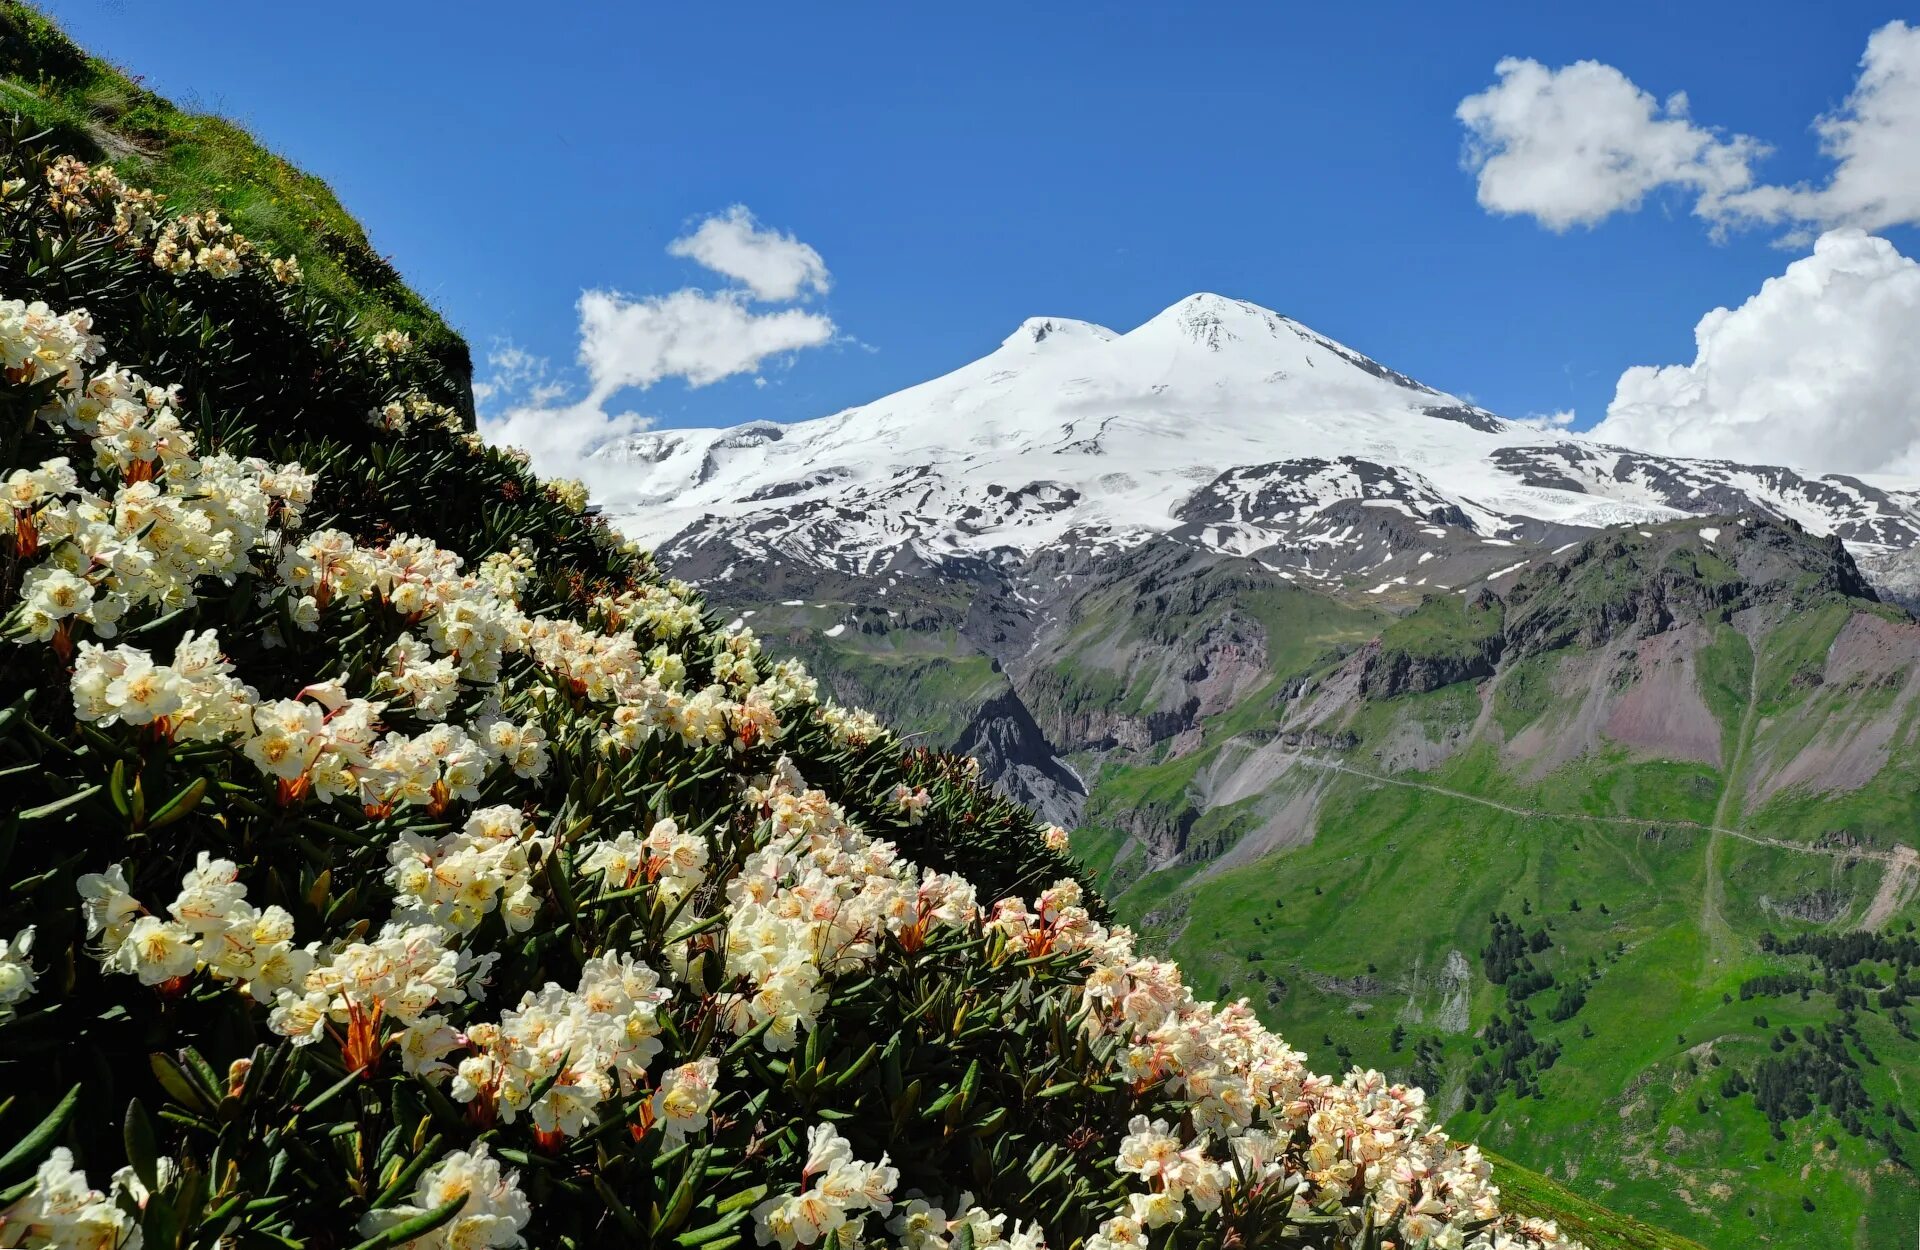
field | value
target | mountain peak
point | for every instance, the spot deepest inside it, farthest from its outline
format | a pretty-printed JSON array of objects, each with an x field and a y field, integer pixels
[
  {"x": 1210, "y": 301},
  {"x": 1037, "y": 330},
  {"x": 1213, "y": 321}
]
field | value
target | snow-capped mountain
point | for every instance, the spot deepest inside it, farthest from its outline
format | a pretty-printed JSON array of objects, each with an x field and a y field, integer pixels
[{"x": 1218, "y": 423}]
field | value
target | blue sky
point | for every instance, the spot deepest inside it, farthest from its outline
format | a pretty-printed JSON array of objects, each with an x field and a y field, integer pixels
[{"x": 962, "y": 168}]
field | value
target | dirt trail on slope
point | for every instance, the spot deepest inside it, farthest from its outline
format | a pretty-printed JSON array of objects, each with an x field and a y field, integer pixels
[
  {"x": 1534, "y": 813},
  {"x": 1712, "y": 923},
  {"x": 1896, "y": 887}
]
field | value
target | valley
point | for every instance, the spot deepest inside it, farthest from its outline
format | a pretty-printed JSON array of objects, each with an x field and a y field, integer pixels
[
  {"x": 1638, "y": 805},
  {"x": 1558, "y": 815}
]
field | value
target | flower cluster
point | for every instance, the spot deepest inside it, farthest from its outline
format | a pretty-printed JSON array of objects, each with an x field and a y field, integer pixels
[
  {"x": 508, "y": 572},
  {"x": 193, "y": 698},
  {"x": 836, "y": 1192},
  {"x": 569, "y": 492},
  {"x": 1370, "y": 1154},
  {"x": 584, "y": 1045},
  {"x": 685, "y": 1096},
  {"x": 457, "y": 879},
  {"x": 189, "y": 243},
  {"x": 815, "y": 901},
  {"x": 37, "y": 343},
  {"x": 922, "y": 1226},
  {"x": 913, "y": 802},
  {"x": 675, "y": 862},
  {"x": 62, "y": 1212},
  {"x": 412, "y": 409},
  {"x": 352, "y": 992},
  {"x": 852, "y": 727},
  {"x": 211, "y": 927},
  {"x": 161, "y": 521}
]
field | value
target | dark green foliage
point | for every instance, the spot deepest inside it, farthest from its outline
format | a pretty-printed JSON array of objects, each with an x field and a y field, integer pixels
[{"x": 284, "y": 1146}]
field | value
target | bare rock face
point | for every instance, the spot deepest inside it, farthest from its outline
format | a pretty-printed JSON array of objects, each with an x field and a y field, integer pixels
[
  {"x": 1814, "y": 907},
  {"x": 1017, "y": 758},
  {"x": 1386, "y": 674}
]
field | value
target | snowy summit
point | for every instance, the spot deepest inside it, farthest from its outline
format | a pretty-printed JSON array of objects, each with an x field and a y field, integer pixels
[{"x": 1218, "y": 422}]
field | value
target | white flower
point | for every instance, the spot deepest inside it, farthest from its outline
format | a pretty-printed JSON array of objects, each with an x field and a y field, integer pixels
[
  {"x": 157, "y": 950},
  {"x": 919, "y": 1226},
  {"x": 913, "y": 802},
  {"x": 842, "y": 1189},
  {"x": 685, "y": 1096},
  {"x": 16, "y": 974},
  {"x": 493, "y": 1216},
  {"x": 63, "y": 1213},
  {"x": 424, "y": 1043},
  {"x": 110, "y": 910}
]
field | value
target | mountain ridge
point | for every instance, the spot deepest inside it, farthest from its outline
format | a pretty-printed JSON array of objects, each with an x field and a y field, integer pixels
[{"x": 1219, "y": 422}]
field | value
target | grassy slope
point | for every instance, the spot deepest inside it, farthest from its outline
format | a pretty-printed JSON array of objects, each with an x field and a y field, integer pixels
[
  {"x": 1401, "y": 877},
  {"x": 1529, "y": 1193},
  {"x": 928, "y": 681},
  {"x": 202, "y": 162}
]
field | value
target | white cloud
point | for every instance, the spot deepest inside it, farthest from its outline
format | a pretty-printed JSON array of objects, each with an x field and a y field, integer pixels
[
  {"x": 1572, "y": 146},
  {"x": 517, "y": 376},
  {"x": 1874, "y": 140},
  {"x": 523, "y": 406},
  {"x": 776, "y": 267},
  {"x": 562, "y": 439},
  {"x": 698, "y": 336},
  {"x": 1818, "y": 370},
  {"x": 1561, "y": 420},
  {"x": 1575, "y": 145}
]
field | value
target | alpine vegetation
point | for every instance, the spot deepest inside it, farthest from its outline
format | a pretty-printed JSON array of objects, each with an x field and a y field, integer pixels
[{"x": 392, "y": 857}]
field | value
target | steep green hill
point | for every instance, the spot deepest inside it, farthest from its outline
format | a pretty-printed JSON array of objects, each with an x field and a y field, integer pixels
[{"x": 201, "y": 162}]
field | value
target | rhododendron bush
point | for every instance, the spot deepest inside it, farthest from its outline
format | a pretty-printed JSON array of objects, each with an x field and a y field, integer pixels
[{"x": 392, "y": 857}]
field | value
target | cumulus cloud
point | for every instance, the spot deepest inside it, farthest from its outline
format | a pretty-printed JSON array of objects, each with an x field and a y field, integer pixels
[
  {"x": 776, "y": 267},
  {"x": 630, "y": 342},
  {"x": 1573, "y": 146},
  {"x": 698, "y": 336},
  {"x": 1817, "y": 370},
  {"x": 1874, "y": 140}
]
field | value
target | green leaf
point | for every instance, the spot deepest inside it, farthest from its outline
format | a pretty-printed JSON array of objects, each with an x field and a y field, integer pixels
[
  {"x": 410, "y": 1173},
  {"x": 60, "y": 805},
  {"x": 332, "y": 1091},
  {"x": 117, "y": 789},
  {"x": 745, "y": 1198},
  {"x": 180, "y": 804},
  {"x": 618, "y": 1209},
  {"x": 29, "y": 1148},
  {"x": 142, "y": 1153},
  {"x": 714, "y": 1231},
  {"x": 400, "y": 1234}
]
